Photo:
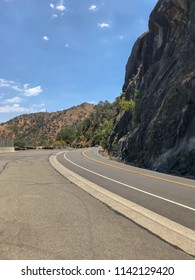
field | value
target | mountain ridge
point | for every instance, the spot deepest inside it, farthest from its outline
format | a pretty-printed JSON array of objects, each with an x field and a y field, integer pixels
[{"x": 42, "y": 127}]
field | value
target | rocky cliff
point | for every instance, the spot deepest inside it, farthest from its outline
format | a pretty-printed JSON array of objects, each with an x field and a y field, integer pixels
[{"x": 160, "y": 77}]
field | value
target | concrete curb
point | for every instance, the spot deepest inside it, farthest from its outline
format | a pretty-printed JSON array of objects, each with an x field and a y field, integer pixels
[
  {"x": 172, "y": 232},
  {"x": 7, "y": 150}
]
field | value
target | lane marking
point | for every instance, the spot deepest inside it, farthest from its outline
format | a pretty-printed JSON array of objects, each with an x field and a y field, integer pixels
[
  {"x": 168, "y": 230},
  {"x": 136, "y": 172},
  {"x": 129, "y": 186}
]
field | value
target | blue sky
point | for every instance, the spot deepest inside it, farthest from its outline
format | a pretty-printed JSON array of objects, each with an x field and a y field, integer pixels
[{"x": 57, "y": 54}]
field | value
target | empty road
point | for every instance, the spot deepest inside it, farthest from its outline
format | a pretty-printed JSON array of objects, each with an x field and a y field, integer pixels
[
  {"x": 45, "y": 216},
  {"x": 170, "y": 196}
]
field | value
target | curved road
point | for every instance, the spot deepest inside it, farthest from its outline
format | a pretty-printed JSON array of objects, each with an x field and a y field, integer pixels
[
  {"x": 43, "y": 216},
  {"x": 170, "y": 196}
]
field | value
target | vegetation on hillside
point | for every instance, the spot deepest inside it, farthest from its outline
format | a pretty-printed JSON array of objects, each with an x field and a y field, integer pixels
[
  {"x": 94, "y": 129},
  {"x": 40, "y": 129},
  {"x": 97, "y": 128}
]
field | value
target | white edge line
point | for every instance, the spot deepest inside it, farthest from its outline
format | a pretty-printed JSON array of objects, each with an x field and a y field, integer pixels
[
  {"x": 128, "y": 186},
  {"x": 170, "y": 231}
]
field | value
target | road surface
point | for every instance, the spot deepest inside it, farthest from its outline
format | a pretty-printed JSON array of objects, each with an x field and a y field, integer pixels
[
  {"x": 45, "y": 216},
  {"x": 170, "y": 196}
]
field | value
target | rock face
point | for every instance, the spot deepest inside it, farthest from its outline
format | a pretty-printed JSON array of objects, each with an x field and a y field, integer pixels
[{"x": 160, "y": 77}]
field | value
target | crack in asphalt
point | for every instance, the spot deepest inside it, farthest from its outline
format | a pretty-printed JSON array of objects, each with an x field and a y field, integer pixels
[{"x": 4, "y": 167}]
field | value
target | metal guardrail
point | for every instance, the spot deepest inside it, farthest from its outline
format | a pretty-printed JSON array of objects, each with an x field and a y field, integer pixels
[{"x": 7, "y": 142}]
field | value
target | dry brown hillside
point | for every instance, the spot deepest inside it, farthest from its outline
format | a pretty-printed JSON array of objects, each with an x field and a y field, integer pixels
[{"x": 42, "y": 128}]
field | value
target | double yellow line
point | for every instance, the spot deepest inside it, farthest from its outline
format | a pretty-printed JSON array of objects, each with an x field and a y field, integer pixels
[{"x": 136, "y": 172}]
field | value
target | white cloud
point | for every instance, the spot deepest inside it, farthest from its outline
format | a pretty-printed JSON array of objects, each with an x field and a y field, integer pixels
[
  {"x": 32, "y": 91},
  {"x": 25, "y": 90},
  {"x": 54, "y": 16},
  {"x": 14, "y": 100},
  {"x": 60, "y": 6},
  {"x": 38, "y": 106},
  {"x": 16, "y": 108},
  {"x": 10, "y": 84},
  {"x": 45, "y": 38},
  {"x": 104, "y": 25},
  {"x": 93, "y": 8},
  {"x": 13, "y": 104},
  {"x": 6, "y": 83},
  {"x": 26, "y": 86}
]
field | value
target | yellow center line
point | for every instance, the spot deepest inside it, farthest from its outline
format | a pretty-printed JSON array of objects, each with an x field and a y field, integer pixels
[{"x": 136, "y": 172}]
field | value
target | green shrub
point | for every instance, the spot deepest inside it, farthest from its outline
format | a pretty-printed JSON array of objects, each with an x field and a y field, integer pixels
[
  {"x": 67, "y": 134},
  {"x": 127, "y": 105},
  {"x": 19, "y": 143}
]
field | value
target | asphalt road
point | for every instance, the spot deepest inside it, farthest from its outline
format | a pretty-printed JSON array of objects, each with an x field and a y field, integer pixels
[
  {"x": 45, "y": 216},
  {"x": 170, "y": 196}
]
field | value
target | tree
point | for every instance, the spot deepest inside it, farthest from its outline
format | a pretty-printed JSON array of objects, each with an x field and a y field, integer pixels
[
  {"x": 95, "y": 129},
  {"x": 19, "y": 143},
  {"x": 67, "y": 134}
]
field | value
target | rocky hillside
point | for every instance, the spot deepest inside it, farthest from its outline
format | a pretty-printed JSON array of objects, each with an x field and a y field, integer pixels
[
  {"x": 42, "y": 128},
  {"x": 160, "y": 79}
]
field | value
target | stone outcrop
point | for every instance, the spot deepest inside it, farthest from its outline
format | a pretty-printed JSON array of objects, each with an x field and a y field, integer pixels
[{"x": 160, "y": 77}]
